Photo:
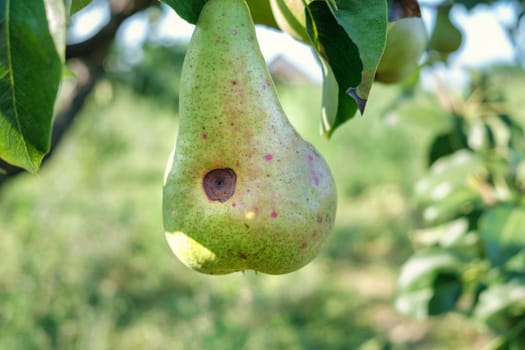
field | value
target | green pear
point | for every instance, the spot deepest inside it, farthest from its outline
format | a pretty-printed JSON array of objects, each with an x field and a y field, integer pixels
[
  {"x": 446, "y": 37},
  {"x": 290, "y": 16},
  {"x": 406, "y": 40},
  {"x": 243, "y": 190}
]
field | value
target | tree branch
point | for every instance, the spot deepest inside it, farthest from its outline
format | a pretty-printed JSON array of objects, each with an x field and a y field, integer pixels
[{"x": 87, "y": 59}]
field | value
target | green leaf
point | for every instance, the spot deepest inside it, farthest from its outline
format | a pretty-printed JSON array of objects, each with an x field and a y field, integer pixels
[
  {"x": 30, "y": 70},
  {"x": 446, "y": 174},
  {"x": 429, "y": 283},
  {"x": 365, "y": 23},
  {"x": 77, "y": 5},
  {"x": 337, "y": 106},
  {"x": 447, "y": 289},
  {"x": 447, "y": 235},
  {"x": 422, "y": 267},
  {"x": 501, "y": 304},
  {"x": 447, "y": 191},
  {"x": 502, "y": 231},
  {"x": 56, "y": 19},
  {"x": 447, "y": 143},
  {"x": 340, "y": 62},
  {"x": 189, "y": 10},
  {"x": 414, "y": 303}
]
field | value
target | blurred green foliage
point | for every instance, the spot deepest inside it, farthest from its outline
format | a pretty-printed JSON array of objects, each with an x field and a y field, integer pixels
[
  {"x": 470, "y": 254},
  {"x": 84, "y": 263}
]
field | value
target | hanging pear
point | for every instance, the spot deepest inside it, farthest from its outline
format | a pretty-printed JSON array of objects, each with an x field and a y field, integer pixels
[
  {"x": 446, "y": 36},
  {"x": 243, "y": 190},
  {"x": 406, "y": 40}
]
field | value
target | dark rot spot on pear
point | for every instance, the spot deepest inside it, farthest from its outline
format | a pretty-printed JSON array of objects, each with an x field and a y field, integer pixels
[
  {"x": 303, "y": 245},
  {"x": 219, "y": 184}
]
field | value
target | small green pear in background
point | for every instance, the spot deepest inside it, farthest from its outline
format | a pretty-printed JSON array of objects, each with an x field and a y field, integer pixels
[
  {"x": 243, "y": 190},
  {"x": 406, "y": 41},
  {"x": 291, "y": 18},
  {"x": 446, "y": 36}
]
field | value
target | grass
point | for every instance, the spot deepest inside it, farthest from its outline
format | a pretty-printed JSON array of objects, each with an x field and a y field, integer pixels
[{"x": 85, "y": 264}]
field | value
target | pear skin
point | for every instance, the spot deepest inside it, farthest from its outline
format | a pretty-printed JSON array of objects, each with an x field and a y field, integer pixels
[
  {"x": 243, "y": 190},
  {"x": 406, "y": 41},
  {"x": 446, "y": 37}
]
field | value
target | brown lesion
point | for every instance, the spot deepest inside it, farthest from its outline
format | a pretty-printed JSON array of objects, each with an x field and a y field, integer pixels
[{"x": 219, "y": 184}]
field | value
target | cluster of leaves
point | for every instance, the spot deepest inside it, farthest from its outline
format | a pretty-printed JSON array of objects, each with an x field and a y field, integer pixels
[
  {"x": 32, "y": 54},
  {"x": 470, "y": 254}
]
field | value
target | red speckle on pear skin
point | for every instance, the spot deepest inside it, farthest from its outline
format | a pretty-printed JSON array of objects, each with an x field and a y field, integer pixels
[
  {"x": 268, "y": 157},
  {"x": 234, "y": 204},
  {"x": 265, "y": 85},
  {"x": 303, "y": 245},
  {"x": 319, "y": 219},
  {"x": 314, "y": 177},
  {"x": 204, "y": 137},
  {"x": 274, "y": 214}
]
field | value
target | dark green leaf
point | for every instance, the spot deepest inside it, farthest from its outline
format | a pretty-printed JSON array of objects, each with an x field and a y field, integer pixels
[
  {"x": 365, "y": 23},
  {"x": 448, "y": 142},
  {"x": 77, "y": 5},
  {"x": 30, "y": 70},
  {"x": 189, "y": 10},
  {"x": 502, "y": 230},
  {"x": 340, "y": 62},
  {"x": 447, "y": 289}
]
